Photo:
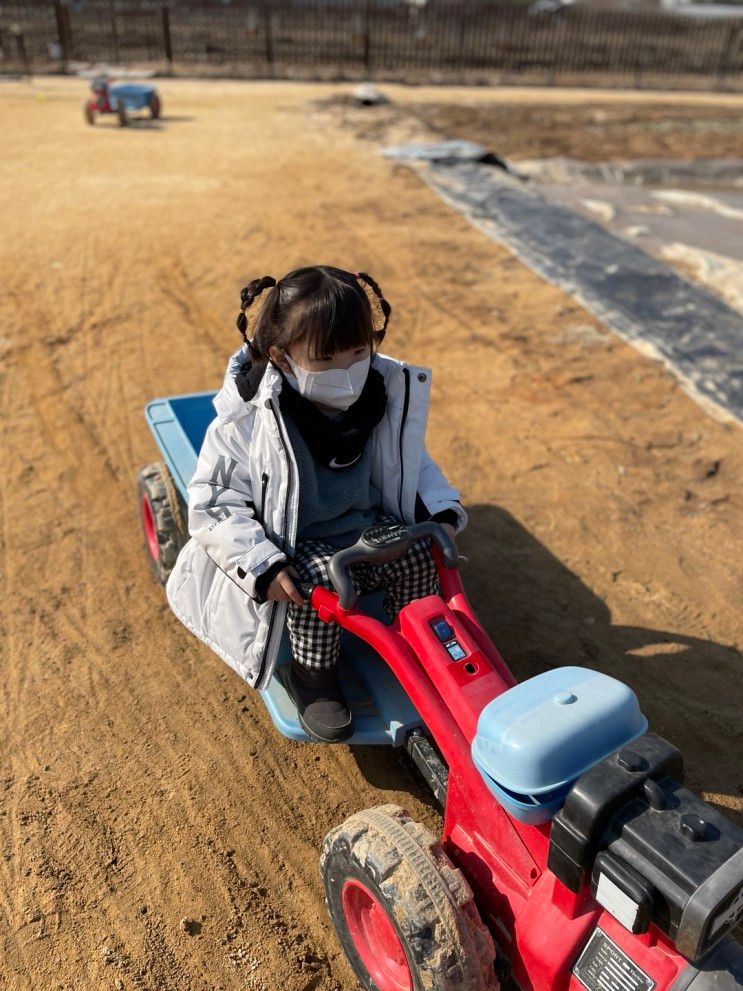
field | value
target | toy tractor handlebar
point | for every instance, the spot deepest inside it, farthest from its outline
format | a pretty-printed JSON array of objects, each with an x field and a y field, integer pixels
[{"x": 381, "y": 543}]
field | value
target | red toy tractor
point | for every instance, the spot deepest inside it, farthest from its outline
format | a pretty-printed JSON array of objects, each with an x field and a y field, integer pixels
[
  {"x": 120, "y": 99},
  {"x": 572, "y": 859}
]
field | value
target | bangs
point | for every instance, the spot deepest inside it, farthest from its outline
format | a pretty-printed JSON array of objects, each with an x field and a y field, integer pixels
[{"x": 334, "y": 318}]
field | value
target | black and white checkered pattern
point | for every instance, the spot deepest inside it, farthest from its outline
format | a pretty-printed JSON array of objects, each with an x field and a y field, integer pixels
[{"x": 315, "y": 643}]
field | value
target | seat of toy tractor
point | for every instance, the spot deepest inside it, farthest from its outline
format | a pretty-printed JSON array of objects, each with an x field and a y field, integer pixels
[{"x": 382, "y": 711}]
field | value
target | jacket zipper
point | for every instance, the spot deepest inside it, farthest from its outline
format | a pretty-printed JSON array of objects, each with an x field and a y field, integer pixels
[
  {"x": 264, "y": 486},
  {"x": 406, "y": 373},
  {"x": 264, "y": 480}
]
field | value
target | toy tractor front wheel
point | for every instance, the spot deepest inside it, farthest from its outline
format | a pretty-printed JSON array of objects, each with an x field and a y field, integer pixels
[
  {"x": 162, "y": 518},
  {"x": 89, "y": 114},
  {"x": 405, "y": 915},
  {"x": 155, "y": 105}
]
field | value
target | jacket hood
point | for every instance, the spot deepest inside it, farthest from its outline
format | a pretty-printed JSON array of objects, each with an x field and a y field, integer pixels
[
  {"x": 229, "y": 403},
  {"x": 248, "y": 378},
  {"x": 245, "y": 387}
]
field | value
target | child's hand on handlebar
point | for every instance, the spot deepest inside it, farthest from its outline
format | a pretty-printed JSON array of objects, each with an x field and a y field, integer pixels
[{"x": 283, "y": 589}]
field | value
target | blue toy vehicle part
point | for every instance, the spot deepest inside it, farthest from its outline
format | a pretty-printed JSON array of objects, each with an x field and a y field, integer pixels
[
  {"x": 382, "y": 711},
  {"x": 134, "y": 96},
  {"x": 178, "y": 424},
  {"x": 533, "y": 741}
]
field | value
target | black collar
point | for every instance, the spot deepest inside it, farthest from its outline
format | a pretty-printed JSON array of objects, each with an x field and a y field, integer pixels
[{"x": 338, "y": 442}]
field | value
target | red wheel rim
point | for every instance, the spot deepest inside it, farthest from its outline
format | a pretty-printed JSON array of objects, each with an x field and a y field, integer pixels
[
  {"x": 375, "y": 938},
  {"x": 150, "y": 530}
]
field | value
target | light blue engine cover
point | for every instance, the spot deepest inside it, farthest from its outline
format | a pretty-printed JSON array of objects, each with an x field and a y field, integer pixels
[{"x": 535, "y": 739}]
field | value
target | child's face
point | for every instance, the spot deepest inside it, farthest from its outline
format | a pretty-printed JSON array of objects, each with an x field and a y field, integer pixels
[{"x": 341, "y": 359}]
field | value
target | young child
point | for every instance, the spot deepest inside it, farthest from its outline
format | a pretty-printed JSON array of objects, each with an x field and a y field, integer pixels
[{"x": 317, "y": 437}]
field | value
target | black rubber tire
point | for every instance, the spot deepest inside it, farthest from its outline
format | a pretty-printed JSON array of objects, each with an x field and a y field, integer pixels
[
  {"x": 427, "y": 899},
  {"x": 89, "y": 115},
  {"x": 121, "y": 113},
  {"x": 155, "y": 482},
  {"x": 155, "y": 104}
]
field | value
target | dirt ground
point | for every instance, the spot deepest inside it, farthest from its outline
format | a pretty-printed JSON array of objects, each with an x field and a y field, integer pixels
[
  {"x": 593, "y": 130},
  {"x": 156, "y": 832}
]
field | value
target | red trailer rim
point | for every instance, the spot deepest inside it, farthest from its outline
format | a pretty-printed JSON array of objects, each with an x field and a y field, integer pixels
[
  {"x": 375, "y": 938},
  {"x": 150, "y": 530}
]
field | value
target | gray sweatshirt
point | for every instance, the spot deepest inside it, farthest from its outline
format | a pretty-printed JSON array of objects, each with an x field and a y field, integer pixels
[{"x": 334, "y": 505}]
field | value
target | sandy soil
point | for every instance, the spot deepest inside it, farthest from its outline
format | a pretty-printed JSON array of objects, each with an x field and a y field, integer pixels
[{"x": 155, "y": 830}]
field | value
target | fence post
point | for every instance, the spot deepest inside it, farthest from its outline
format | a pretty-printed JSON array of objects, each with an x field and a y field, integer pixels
[
  {"x": 20, "y": 41},
  {"x": 640, "y": 67},
  {"x": 462, "y": 29},
  {"x": 114, "y": 31},
  {"x": 62, "y": 32},
  {"x": 367, "y": 39},
  {"x": 167, "y": 42},
  {"x": 722, "y": 68},
  {"x": 269, "y": 36}
]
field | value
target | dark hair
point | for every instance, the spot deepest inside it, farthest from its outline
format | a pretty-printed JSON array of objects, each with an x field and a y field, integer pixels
[{"x": 327, "y": 306}]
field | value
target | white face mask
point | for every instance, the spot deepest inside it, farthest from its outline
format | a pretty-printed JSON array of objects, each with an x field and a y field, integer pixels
[{"x": 334, "y": 387}]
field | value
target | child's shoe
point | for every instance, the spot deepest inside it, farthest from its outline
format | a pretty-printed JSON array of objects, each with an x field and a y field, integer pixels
[{"x": 321, "y": 706}]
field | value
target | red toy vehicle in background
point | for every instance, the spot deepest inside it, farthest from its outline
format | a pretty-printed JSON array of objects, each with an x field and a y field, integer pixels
[
  {"x": 572, "y": 859},
  {"x": 120, "y": 98}
]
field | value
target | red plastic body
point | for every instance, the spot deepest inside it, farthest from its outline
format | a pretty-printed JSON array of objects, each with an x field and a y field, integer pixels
[
  {"x": 98, "y": 100},
  {"x": 538, "y": 923}
]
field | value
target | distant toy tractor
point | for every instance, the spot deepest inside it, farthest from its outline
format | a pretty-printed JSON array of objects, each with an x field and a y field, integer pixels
[{"x": 120, "y": 99}]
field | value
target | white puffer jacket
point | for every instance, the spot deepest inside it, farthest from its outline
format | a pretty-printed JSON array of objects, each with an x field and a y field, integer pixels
[{"x": 243, "y": 507}]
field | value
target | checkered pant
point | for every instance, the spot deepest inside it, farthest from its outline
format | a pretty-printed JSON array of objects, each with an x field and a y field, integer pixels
[{"x": 315, "y": 643}]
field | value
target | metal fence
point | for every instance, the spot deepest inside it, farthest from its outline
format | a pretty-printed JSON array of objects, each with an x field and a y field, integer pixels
[{"x": 369, "y": 38}]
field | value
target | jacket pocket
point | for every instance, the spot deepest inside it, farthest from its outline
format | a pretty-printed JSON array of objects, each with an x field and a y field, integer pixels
[
  {"x": 181, "y": 572},
  {"x": 239, "y": 627},
  {"x": 211, "y": 606}
]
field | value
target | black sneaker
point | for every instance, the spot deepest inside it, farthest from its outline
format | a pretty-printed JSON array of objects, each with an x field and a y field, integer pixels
[{"x": 322, "y": 708}]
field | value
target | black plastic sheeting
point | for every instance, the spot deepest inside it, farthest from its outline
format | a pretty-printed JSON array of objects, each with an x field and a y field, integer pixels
[{"x": 644, "y": 300}]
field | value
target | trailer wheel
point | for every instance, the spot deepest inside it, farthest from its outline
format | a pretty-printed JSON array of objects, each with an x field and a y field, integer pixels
[
  {"x": 404, "y": 914},
  {"x": 162, "y": 518},
  {"x": 155, "y": 104},
  {"x": 89, "y": 114}
]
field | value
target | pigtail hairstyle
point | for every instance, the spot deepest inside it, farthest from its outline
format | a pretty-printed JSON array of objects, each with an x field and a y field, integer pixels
[
  {"x": 385, "y": 307},
  {"x": 331, "y": 308},
  {"x": 247, "y": 295}
]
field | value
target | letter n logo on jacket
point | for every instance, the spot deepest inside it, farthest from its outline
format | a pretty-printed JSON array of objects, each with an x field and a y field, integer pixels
[{"x": 220, "y": 482}]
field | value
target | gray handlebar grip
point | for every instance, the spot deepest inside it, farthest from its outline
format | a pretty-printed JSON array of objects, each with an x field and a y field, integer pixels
[
  {"x": 431, "y": 529},
  {"x": 339, "y": 576},
  {"x": 339, "y": 563}
]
